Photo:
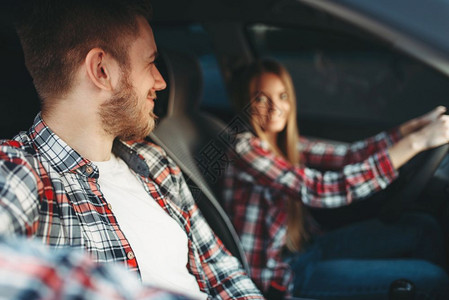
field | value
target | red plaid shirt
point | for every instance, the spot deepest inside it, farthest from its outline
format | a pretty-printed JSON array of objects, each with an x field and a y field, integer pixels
[
  {"x": 257, "y": 185},
  {"x": 47, "y": 190},
  {"x": 28, "y": 270}
]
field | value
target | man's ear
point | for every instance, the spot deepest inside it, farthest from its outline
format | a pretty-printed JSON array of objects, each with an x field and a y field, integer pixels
[{"x": 99, "y": 68}]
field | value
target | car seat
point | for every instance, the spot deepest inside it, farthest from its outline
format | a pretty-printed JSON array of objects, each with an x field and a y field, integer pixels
[{"x": 189, "y": 137}]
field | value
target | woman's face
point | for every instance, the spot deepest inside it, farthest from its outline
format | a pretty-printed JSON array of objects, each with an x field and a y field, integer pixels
[{"x": 270, "y": 103}]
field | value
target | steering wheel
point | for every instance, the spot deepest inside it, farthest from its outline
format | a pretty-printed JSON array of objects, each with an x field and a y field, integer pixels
[{"x": 413, "y": 177}]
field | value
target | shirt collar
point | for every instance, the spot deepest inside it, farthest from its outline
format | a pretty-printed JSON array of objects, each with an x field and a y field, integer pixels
[
  {"x": 64, "y": 158},
  {"x": 61, "y": 156}
]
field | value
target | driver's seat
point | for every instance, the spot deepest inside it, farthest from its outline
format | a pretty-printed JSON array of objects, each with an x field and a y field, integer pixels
[{"x": 184, "y": 133}]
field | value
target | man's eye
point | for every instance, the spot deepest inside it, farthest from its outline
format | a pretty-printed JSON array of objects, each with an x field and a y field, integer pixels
[{"x": 284, "y": 96}]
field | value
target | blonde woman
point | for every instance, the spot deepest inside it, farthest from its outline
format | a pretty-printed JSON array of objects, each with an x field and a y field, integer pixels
[{"x": 268, "y": 185}]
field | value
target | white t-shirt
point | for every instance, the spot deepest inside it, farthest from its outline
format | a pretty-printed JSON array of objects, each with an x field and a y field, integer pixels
[{"x": 159, "y": 243}]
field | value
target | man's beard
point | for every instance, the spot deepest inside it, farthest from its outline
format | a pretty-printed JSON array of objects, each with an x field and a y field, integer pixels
[{"x": 122, "y": 117}]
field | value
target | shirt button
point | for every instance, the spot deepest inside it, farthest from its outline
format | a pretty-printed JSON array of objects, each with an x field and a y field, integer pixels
[
  {"x": 130, "y": 255},
  {"x": 89, "y": 169}
]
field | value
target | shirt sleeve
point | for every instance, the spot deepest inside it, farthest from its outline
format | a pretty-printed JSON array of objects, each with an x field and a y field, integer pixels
[
  {"x": 315, "y": 188},
  {"x": 32, "y": 270},
  {"x": 325, "y": 155},
  {"x": 20, "y": 188},
  {"x": 226, "y": 279}
]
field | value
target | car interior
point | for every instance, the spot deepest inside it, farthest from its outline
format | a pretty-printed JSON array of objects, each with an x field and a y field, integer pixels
[{"x": 351, "y": 83}]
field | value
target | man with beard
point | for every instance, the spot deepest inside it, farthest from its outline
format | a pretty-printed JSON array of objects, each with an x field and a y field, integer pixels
[{"x": 83, "y": 176}]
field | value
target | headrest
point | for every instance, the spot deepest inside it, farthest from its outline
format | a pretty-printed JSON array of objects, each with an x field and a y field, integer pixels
[{"x": 182, "y": 73}]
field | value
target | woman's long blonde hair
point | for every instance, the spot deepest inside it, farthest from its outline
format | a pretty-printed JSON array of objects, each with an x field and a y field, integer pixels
[{"x": 287, "y": 141}]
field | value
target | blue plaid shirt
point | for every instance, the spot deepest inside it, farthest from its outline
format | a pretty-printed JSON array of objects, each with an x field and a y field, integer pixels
[{"x": 49, "y": 191}]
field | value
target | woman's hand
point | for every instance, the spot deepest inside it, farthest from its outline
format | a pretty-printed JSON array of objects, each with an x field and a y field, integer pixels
[
  {"x": 419, "y": 122},
  {"x": 435, "y": 133}
]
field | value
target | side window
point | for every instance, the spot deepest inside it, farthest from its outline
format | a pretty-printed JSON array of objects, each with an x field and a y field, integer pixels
[
  {"x": 349, "y": 80},
  {"x": 193, "y": 39}
]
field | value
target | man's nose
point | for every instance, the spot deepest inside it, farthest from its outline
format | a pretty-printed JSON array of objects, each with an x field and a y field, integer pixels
[{"x": 159, "y": 83}]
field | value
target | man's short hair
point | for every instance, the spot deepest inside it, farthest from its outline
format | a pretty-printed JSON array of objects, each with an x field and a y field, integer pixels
[{"x": 56, "y": 36}]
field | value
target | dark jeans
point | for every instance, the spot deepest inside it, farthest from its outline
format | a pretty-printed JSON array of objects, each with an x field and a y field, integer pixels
[{"x": 361, "y": 261}]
